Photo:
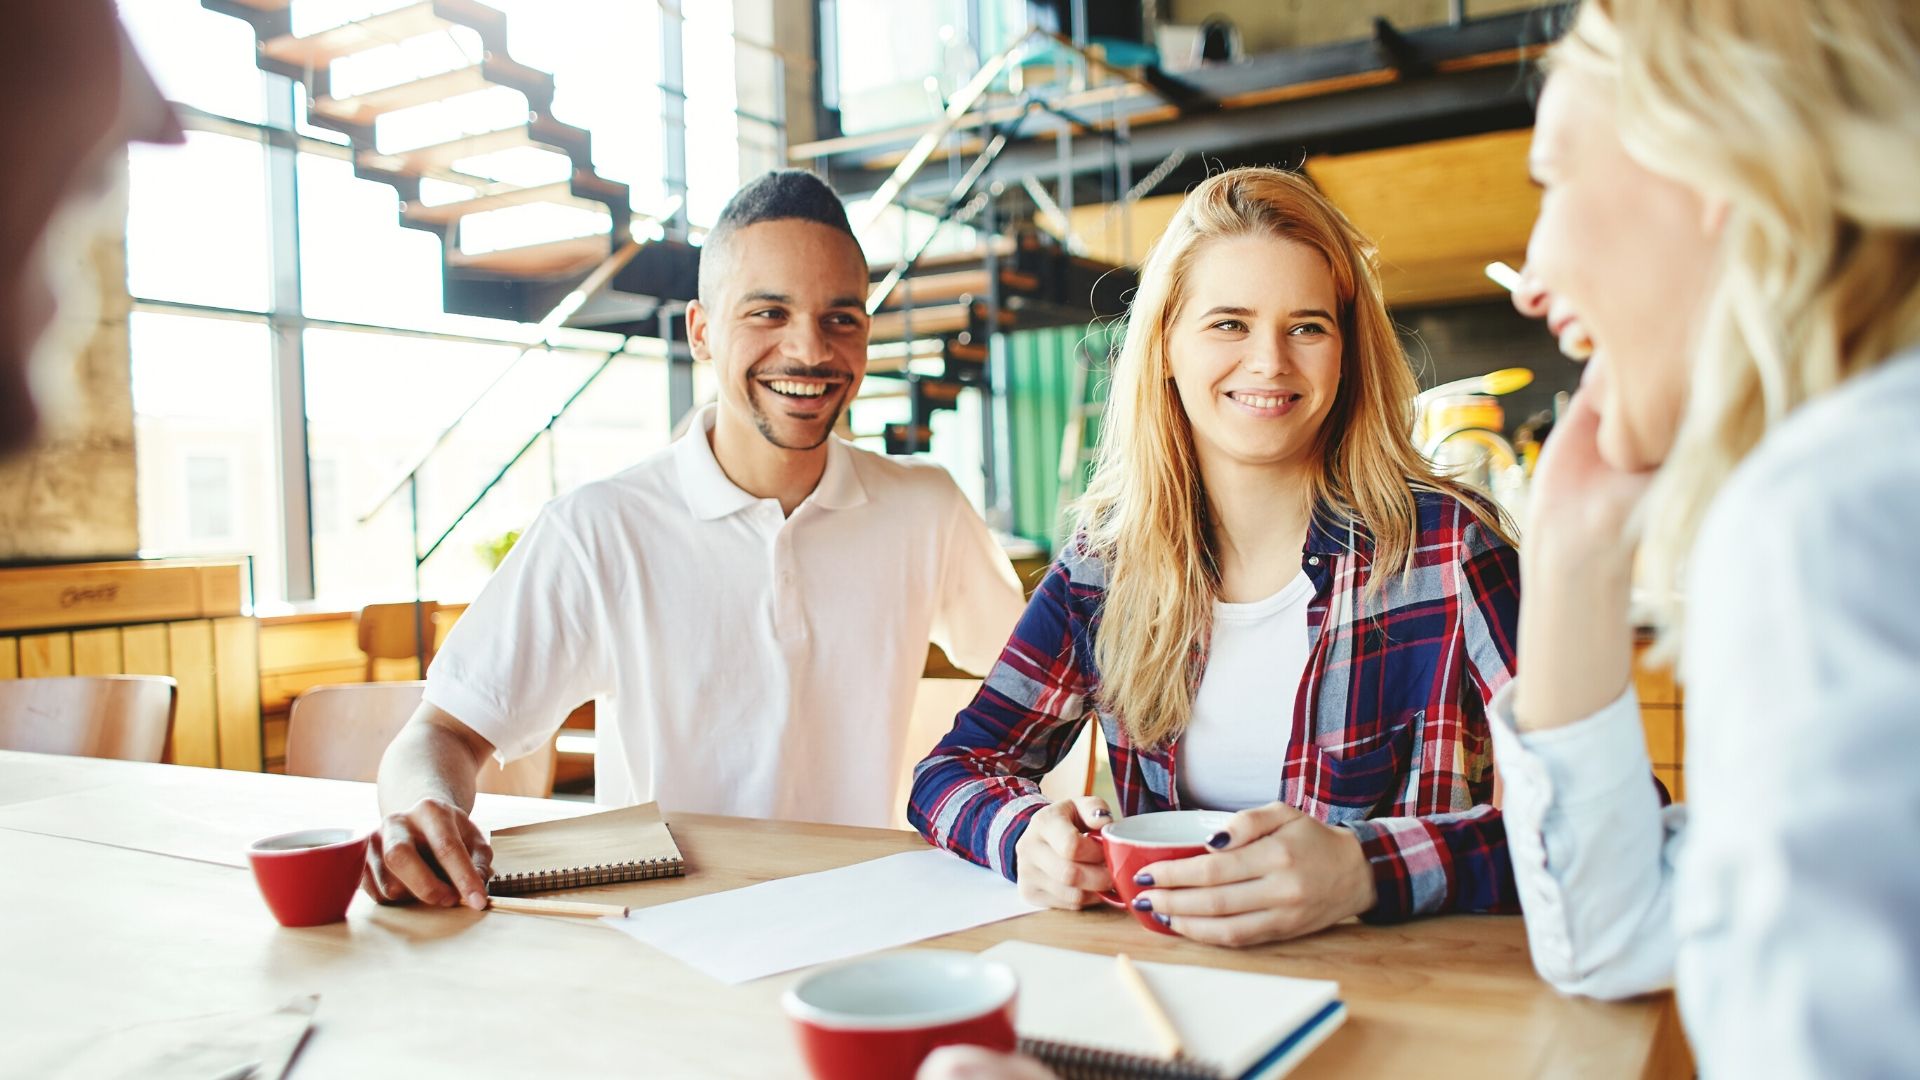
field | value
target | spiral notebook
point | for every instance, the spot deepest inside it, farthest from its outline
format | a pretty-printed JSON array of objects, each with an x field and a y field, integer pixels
[
  {"x": 629, "y": 844},
  {"x": 1079, "y": 1017}
]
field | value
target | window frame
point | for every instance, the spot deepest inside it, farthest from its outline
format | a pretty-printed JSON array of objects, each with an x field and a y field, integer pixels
[{"x": 283, "y": 137}]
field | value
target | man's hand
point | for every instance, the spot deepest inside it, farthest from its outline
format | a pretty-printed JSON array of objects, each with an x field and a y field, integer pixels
[
  {"x": 1056, "y": 865},
  {"x": 427, "y": 848},
  {"x": 1277, "y": 874},
  {"x": 432, "y": 852}
]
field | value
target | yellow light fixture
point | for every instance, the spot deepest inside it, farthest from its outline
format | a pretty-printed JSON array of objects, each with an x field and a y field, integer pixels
[{"x": 1506, "y": 380}]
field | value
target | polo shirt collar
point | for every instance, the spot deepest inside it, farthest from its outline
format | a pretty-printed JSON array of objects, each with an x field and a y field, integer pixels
[
  {"x": 839, "y": 487},
  {"x": 711, "y": 496}
]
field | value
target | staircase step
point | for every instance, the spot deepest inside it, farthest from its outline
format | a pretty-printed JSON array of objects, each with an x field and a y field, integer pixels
[
  {"x": 315, "y": 51},
  {"x": 928, "y": 322},
  {"x": 971, "y": 352},
  {"x": 363, "y": 109},
  {"x": 556, "y": 258},
  {"x": 553, "y": 137},
  {"x": 890, "y": 363},
  {"x": 922, "y": 289},
  {"x": 925, "y": 322},
  {"x": 1002, "y": 246},
  {"x": 902, "y": 439},
  {"x": 585, "y": 191}
]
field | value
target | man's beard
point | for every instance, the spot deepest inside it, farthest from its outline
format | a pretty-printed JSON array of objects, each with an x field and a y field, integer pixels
[{"x": 764, "y": 423}]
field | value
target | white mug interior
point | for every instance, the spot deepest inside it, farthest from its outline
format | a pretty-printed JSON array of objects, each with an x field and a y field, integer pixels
[
  {"x": 305, "y": 839},
  {"x": 1169, "y": 828},
  {"x": 918, "y": 988}
]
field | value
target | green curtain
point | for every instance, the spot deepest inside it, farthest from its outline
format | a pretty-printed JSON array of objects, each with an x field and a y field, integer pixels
[{"x": 1040, "y": 366}]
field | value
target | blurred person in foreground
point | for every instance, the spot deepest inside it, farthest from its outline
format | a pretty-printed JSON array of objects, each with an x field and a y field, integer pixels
[{"x": 78, "y": 96}]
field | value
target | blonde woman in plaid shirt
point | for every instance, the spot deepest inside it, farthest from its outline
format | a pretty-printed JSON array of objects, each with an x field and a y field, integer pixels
[{"x": 1273, "y": 606}]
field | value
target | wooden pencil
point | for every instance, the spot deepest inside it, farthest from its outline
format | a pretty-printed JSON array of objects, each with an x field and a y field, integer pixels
[
  {"x": 528, "y": 905},
  {"x": 1149, "y": 1004}
]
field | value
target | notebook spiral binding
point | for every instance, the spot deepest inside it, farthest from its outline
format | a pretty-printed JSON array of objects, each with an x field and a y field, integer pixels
[
  {"x": 582, "y": 876},
  {"x": 1088, "y": 1063}
]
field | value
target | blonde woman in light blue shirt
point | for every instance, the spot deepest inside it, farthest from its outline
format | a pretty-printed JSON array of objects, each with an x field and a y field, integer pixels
[{"x": 1730, "y": 230}]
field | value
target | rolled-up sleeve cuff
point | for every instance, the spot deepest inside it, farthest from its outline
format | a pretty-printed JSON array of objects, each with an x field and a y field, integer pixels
[
  {"x": 1009, "y": 824},
  {"x": 475, "y": 710},
  {"x": 1579, "y": 763}
]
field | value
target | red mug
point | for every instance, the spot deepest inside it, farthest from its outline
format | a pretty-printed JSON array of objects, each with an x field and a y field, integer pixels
[
  {"x": 878, "y": 1018},
  {"x": 309, "y": 877},
  {"x": 1134, "y": 843}
]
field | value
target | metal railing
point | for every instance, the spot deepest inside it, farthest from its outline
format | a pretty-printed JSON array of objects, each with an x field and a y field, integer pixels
[{"x": 958, "y": 200}]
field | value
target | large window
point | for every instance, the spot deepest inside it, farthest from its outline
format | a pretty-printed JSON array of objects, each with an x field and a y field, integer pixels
[
  {"x": 201, "y": 59},
  {"x": 203, "y": 437},
  {"x": 197, "y": 223},
  {"x": 713, "y": 133},
  {"x": 364, "y": 342}
]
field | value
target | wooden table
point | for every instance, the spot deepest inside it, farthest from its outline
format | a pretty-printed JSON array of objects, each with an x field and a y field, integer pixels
[{"x": 94, "y": 939}]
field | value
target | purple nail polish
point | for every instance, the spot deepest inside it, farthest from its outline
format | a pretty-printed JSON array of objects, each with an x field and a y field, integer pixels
[
  {"x": 1218, "y": 840},
  {"x": 1143, "y": 879},
  {"x": 1103, "y": 813},
  {"x": 1141, "y": 903},
  {"x": 1163, "y": 920}
]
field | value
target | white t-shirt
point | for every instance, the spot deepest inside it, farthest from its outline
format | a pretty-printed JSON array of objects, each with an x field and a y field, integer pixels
[
  {"x": 742, "y": 662},
  {"x": 1233, "y": 749}
]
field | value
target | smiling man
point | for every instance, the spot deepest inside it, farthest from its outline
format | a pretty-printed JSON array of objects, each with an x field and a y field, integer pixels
[{"x": 749, "y": 608}]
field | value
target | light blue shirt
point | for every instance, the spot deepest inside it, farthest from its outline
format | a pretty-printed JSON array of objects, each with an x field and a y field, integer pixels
[{"x": 1783, "y": 900}]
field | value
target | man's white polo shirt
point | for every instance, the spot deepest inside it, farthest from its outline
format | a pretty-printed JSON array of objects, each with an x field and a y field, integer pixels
[{"x": 742, "y": 662}]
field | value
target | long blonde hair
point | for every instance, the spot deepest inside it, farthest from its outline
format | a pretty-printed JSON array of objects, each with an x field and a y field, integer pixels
[
  {"x": 1145, "y": 513},
  {"x": 1803, "y": 116}
]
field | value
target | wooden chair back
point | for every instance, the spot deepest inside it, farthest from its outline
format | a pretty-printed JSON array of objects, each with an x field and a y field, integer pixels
[
  {"x": 390, "y": 632},
  {"x": 129, "y": 717},
  {"x": 340, "y": 732}
]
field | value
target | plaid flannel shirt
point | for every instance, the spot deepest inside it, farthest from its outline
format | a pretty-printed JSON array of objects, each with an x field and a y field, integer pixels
[{"x": 1389, "y": 730}]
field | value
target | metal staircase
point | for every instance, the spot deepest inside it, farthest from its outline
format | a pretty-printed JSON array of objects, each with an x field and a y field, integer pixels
[
  {"x": 933, "y": 328},
  {"x": 433, "y": 105}
]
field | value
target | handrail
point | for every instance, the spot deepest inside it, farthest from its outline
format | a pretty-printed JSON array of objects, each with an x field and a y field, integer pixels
[
  {"x": 420, "y": 557},
  {"x": 958, "y": 106},
  {"x": 962, "y": 103},
  {"x": 956, "y": 198},
  {"x": 543, "y": 339}
]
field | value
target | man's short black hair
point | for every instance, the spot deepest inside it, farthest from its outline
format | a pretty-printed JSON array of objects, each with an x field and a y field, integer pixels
[{"x": 780, "y": 195}]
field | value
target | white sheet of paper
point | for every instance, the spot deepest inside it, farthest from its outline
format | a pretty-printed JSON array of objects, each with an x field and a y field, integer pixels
[
  {"x": 795, "y": 922},
  {"x": 216, "y": 825}
]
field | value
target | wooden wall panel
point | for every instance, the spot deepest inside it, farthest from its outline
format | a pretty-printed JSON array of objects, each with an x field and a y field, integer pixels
[
  {"x": 1439, "y": 211},
  {"x": 105, "y": 594},
  {"x": 97, "y": 652},
  {"x": 9, "y": 658},
  {"x": 1663, "y": 719},
  {"x": 143, "y": 650},
  {"x": 196, "y": 735},
  {"x": 236, "y": 674},
  {"x": 46, "y": 655},
  {"x": 1661, "y": 726},
  {"x": 291, "y": 646}
]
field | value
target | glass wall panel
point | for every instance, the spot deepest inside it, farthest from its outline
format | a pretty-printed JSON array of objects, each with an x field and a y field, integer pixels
[
  {"x": 203, "y": 438},
  {"x": 197, "y": 223}
]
